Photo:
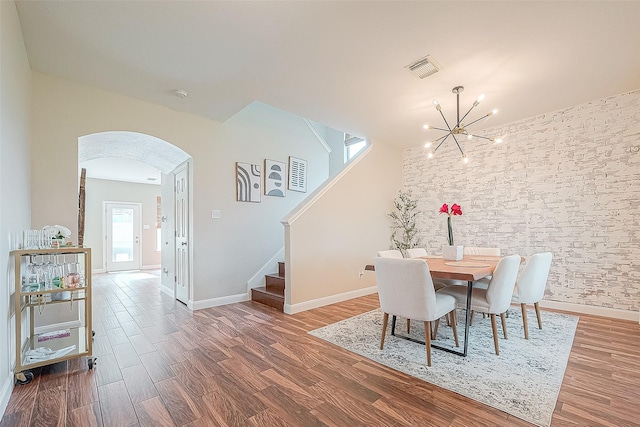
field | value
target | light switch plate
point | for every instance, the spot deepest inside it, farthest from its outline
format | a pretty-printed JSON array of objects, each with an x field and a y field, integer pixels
[{"x": 215, "y": 214}]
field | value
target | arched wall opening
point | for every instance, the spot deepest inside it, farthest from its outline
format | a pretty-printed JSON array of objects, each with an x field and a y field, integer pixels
[{"x": 137, "y": 169}]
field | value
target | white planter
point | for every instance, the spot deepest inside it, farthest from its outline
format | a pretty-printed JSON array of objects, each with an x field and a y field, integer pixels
[{"x": 453, "y": 253}]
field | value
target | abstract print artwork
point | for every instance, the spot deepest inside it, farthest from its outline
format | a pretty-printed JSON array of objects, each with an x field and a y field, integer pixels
[
  {"x": 275, "y": 174},
  {"x": 297, "y": 174},
  {"x": 248, "y": 179}
]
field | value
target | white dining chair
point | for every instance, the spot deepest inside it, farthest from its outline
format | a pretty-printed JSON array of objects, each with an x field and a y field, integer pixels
[
  {"x": 416, "y": 252},
  {"x": 494, "y": 300},
  {"x": 405, "y": 289},
  {"x": 391, "y": 253},
  {"x": 531, "y": 285}
]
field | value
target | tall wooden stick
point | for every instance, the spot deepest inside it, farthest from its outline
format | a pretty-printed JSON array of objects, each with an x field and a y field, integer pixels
[{"x": 83, "y": 175}]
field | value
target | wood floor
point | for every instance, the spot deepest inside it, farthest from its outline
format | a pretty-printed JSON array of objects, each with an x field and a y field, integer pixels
[{"x": 250, "y": 365}]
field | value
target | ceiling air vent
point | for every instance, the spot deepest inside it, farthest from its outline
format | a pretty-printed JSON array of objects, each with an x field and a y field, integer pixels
[{"x": 424, "y": 67}]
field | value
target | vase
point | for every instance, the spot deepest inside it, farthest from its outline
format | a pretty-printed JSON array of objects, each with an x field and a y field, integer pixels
[{"x": 452, "y": 252}]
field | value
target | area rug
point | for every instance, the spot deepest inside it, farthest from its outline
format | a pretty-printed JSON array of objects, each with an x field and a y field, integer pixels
[{"x": 524, "y": 380}]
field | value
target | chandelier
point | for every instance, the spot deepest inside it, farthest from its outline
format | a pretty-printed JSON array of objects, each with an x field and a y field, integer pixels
[{"x": 459, "y": 130}]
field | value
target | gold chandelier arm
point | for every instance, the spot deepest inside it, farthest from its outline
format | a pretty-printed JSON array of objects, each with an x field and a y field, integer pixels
[
  {"x": 483, "y": 137},
  {"x": 445, "y": 120},
  {"x": 459, "y": 148},
  {"x": 443, "y": 138},
  {"x": 476, "y": 121},
  {"x": 442, "y": 129},
  {"x": 463, "y": 117}
]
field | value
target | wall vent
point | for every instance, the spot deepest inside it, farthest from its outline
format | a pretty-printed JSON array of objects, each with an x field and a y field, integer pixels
[{"x": 424, "y": 67}]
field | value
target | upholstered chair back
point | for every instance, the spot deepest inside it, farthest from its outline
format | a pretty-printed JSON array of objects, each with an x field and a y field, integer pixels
[
  {"x": 416, "y": 252},
  {"x": 392, "y": 253},
  {"x": 533, "y": 280},
  {"x": 502, "y": 283},
  {"x": 405, "y": 288}
]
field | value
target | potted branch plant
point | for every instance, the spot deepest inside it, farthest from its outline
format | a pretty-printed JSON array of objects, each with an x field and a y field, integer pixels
[{"x": 404, "y": 233}]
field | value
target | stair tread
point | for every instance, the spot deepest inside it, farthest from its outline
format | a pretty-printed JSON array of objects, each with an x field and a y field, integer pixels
[
  {"x": 275, "y": 275},
  {"x": 274, "y": 292}
]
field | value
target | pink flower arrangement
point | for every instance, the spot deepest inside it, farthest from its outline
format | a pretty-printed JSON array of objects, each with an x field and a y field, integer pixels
[{"x": 455, "y": 210}]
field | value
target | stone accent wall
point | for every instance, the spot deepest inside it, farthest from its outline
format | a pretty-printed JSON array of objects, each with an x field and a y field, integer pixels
[{"x": 566, "y": 182}]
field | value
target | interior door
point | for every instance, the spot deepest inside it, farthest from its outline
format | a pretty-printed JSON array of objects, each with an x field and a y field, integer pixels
[
  {"x": 122, "y": 224},
  {"x": 182, "y": 233}
]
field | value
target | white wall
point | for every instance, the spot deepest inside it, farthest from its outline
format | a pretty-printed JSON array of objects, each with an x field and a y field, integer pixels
[
  {"x": 15, "y": 93},
  {"x": 566, "y": 182},
  {"x": 331, "y": 240},
  {"x": 101, "y": 190},
  {"x": 227, "y": 251}
]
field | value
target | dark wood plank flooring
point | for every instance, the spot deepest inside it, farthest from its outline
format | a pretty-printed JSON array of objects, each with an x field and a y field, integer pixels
[{"x": 249, "y": 365}]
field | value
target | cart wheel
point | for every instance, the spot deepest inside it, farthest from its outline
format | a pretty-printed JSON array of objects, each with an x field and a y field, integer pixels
[
  {"x": 91, "y": 362},
  {"x": 25, "y": 377}
]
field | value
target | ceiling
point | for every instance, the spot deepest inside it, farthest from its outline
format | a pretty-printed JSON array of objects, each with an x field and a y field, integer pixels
[{"x": 342, "y": 63}]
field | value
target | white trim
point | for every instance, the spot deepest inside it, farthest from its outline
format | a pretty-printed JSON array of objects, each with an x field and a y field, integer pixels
[
  {"x": 5, "y": 393},
  {"x": 270, "y": 267},
  {"x": 57, "y": 326},
  {"x": 317, "y": 135},
  {"x": 319, "y": 192},
  {"x": 151, "y": 267},
  {"x": 168, "y": 291},
  {"x": 214, "y": 302},
  {"x": 590, "y": 309},
  {"x": 331, "y": 299},
  {"x": 98, "y": 270}
]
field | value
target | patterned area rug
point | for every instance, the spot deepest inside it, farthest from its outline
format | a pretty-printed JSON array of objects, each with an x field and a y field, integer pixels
[{"x": 523, "y": 381}]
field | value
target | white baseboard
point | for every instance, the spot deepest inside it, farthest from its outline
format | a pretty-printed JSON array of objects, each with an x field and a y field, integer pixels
[
  {"x": 168, "y": 291},
  {"x": 57, "y": 326},
  {"x": 332, "y": 299},
  {"x": 151, "y": 267},
  {"x": 98, "y": 270},
  {"x": 5, "y": 393},
  {"x": 214, "y": 302},
  {"x": 590, "y": 309}
]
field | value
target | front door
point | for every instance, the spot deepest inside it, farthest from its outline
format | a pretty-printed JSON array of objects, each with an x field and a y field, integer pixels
[
  {"x": 122, "y": 223},
  {"x": 182, "y": 233}
]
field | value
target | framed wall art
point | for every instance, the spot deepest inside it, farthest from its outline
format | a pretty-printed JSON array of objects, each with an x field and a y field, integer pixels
[
  {"x": 297, "y": 174},
  {"x": 275, "y": 175},
  {"x": 248, "y": 179}
]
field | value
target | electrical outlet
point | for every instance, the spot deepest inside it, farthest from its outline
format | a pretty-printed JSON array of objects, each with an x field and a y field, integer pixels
[{"x": 360, "y": 274}]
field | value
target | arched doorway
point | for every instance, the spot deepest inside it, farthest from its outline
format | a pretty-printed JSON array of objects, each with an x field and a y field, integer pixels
[{"x": 130, "y": 174}]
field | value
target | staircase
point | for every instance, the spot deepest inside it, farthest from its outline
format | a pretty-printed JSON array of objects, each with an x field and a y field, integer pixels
[{"x": 272, "y": 294}]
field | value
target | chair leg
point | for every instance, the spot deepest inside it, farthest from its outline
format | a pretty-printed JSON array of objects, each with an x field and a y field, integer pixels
[
  {"x": 471, "y": 318},
  {"x": 435, "y": 329},
  {"x": 427, "y": 341},
  {"x": 455, "y": 328},
  {"x": 537, "y": 306},
  {"x": 503, "y": 319},
  {"x": 494, "y": 327},
  {"x": 408, "y": 326},
  {"x": 524, "y": 321},
  {"x": 385, "y": 319}
]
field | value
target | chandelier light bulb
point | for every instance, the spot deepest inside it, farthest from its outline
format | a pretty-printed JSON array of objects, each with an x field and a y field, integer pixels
[
  {"x": 494, "y": 111},
  {"x": 469, "y": 137},
  {"x": 498, "y": 140},
  {"x": 430, "y": 155},
  {"x": 427, "y": 144},
  {"x": 435, "y": 102},
  {"x": 465, "y": 159},
  {"x": 481, "y": 97},
  {"x": 427, "y": 126}
]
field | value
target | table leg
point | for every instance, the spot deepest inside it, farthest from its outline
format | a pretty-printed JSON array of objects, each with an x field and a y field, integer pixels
[{"x": 467, "y": 318}]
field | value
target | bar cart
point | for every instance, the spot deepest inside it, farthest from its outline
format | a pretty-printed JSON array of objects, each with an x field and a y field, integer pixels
[{"x": 41, "y": 280}]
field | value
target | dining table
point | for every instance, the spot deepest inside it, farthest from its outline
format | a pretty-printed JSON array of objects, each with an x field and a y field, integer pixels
[{"x": 469, "y": 269}]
